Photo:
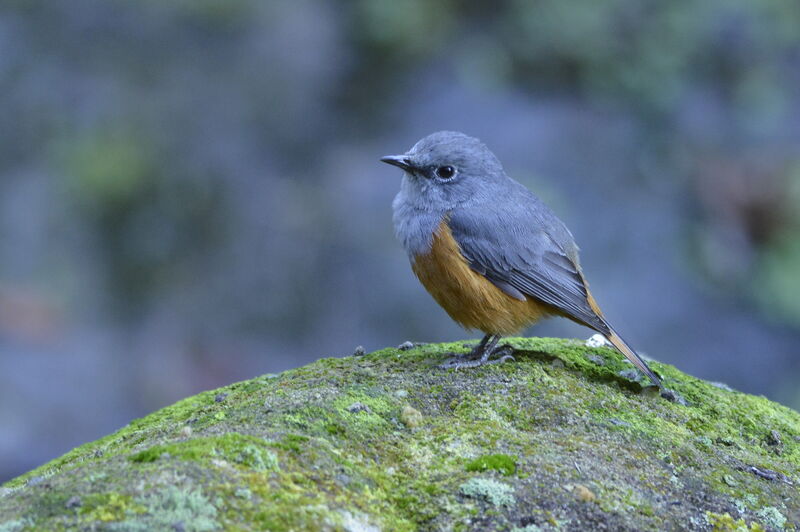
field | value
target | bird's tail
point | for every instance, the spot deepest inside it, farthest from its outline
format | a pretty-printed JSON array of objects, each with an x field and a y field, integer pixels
[{"x": 631, "y": 355}]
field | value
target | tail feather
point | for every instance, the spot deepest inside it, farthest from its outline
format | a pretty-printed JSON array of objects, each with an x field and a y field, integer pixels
[{"x": 631, "y": 355}]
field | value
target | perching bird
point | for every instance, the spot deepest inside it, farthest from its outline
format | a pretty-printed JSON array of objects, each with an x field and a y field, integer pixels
[{"x": 486, "y": 248}]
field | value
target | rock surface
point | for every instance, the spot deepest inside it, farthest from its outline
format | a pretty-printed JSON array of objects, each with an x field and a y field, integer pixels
[{"x": 559, "y": 439}]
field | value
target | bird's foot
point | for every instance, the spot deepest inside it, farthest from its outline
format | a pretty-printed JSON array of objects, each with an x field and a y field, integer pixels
[{"x": 470, "y": 360}]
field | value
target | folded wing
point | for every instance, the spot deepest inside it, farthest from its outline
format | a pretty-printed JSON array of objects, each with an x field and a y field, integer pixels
[{"x": 524, "y": 260}]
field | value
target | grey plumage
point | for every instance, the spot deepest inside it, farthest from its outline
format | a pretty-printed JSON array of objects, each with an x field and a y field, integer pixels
[
  {"x": 502, "y": 229},
  {"x": 514, "y": 247}
]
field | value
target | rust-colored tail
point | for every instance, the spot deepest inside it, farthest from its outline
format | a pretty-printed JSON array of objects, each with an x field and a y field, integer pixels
[{"x": 631, "y": 355}]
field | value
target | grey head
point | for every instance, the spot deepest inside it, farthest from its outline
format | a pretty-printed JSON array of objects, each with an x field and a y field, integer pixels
[
  {"x": 443, "y": 174},
  {"x": 446, "y": 170}
]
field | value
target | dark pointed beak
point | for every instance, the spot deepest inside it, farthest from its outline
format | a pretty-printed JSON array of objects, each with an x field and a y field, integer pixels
[{"x": 400, "y": 161}]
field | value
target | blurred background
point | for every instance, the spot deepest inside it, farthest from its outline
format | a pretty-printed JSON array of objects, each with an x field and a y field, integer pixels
[{"x": 190, "y": 191}]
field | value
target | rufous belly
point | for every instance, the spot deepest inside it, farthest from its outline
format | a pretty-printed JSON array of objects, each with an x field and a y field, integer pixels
[{"x": 467, "y": 296}]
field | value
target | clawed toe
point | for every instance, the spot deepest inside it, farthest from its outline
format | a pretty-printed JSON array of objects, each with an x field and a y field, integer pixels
[
  {"x": 459, "y": 363},
  {"x": 467, "y": 360},
  {"x": 504, "y": 358},
  {"x": 503, "y": 352}
]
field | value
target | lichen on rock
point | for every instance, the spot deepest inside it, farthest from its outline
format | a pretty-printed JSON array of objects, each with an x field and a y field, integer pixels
[
  {"x": 389, "y": 441},
  {"x": 488, "y": 489}
]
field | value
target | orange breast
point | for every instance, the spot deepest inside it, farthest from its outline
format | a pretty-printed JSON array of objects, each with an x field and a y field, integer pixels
[{"x": 467, "y": 296}]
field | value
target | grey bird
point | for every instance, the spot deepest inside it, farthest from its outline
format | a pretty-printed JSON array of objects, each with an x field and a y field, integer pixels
[{"x": 487, "y": 249}]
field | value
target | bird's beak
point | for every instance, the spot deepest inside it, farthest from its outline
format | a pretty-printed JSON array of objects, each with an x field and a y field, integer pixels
[{"x": 400, "y": 161}]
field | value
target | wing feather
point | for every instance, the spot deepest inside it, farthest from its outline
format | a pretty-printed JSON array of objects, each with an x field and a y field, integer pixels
[{"x": 524, "y": 259}]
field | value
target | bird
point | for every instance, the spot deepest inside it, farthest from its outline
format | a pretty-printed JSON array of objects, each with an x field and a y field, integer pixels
[{"x": 488, "y": 250}]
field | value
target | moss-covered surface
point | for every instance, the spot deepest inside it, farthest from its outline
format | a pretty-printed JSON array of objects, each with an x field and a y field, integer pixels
[{"x": 560, "y": 439}]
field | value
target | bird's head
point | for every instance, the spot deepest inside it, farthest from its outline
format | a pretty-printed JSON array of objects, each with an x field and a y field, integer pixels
[{"x": 446, "y": 169}]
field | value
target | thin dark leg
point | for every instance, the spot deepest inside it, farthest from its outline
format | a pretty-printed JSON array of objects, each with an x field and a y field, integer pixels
[
  {"x": 479, "y": 349},
  {"x": 488, "y": 349},
  {"x": 480, "y": 355}
]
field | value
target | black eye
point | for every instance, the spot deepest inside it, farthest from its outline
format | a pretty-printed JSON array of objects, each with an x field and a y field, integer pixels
[{"x": 445, "y": 172}]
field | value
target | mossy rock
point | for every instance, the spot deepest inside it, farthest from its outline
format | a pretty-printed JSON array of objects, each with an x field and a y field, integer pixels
[{"x": 559, "y": 439}]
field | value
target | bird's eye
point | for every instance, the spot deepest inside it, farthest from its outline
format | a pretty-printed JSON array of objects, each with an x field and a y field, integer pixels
[{"x": 445, "y": 172}]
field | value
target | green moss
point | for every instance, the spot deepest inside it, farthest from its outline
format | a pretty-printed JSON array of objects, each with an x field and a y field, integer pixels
[
  {"x": 328, "y": 446},
  {"x": 410, "y": 417},
  {"x": 378, "y": 407},
  {"x": 171, "y": 507},
  {"x": 292, "y": 442},
  {"x": 256, "y": 458},
  {"x": 505, "y": 464},
  {"x": 335, "y": 429},
  {"x": 105, "y": 507},
  {"x": 247, "y": 451},
  {"x": 726, "y": 523}
]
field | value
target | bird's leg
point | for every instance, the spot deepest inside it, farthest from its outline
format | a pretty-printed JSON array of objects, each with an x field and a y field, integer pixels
[
  {"x": 477, "y": 352},
  {"x": 480, "y": 355},
  {"x": 503, "y": 352},
  {"x": 484, "y": 354}
]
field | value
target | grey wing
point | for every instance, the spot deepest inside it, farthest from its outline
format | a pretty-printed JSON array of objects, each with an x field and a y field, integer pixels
[{"x": 520, "y": 257}]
